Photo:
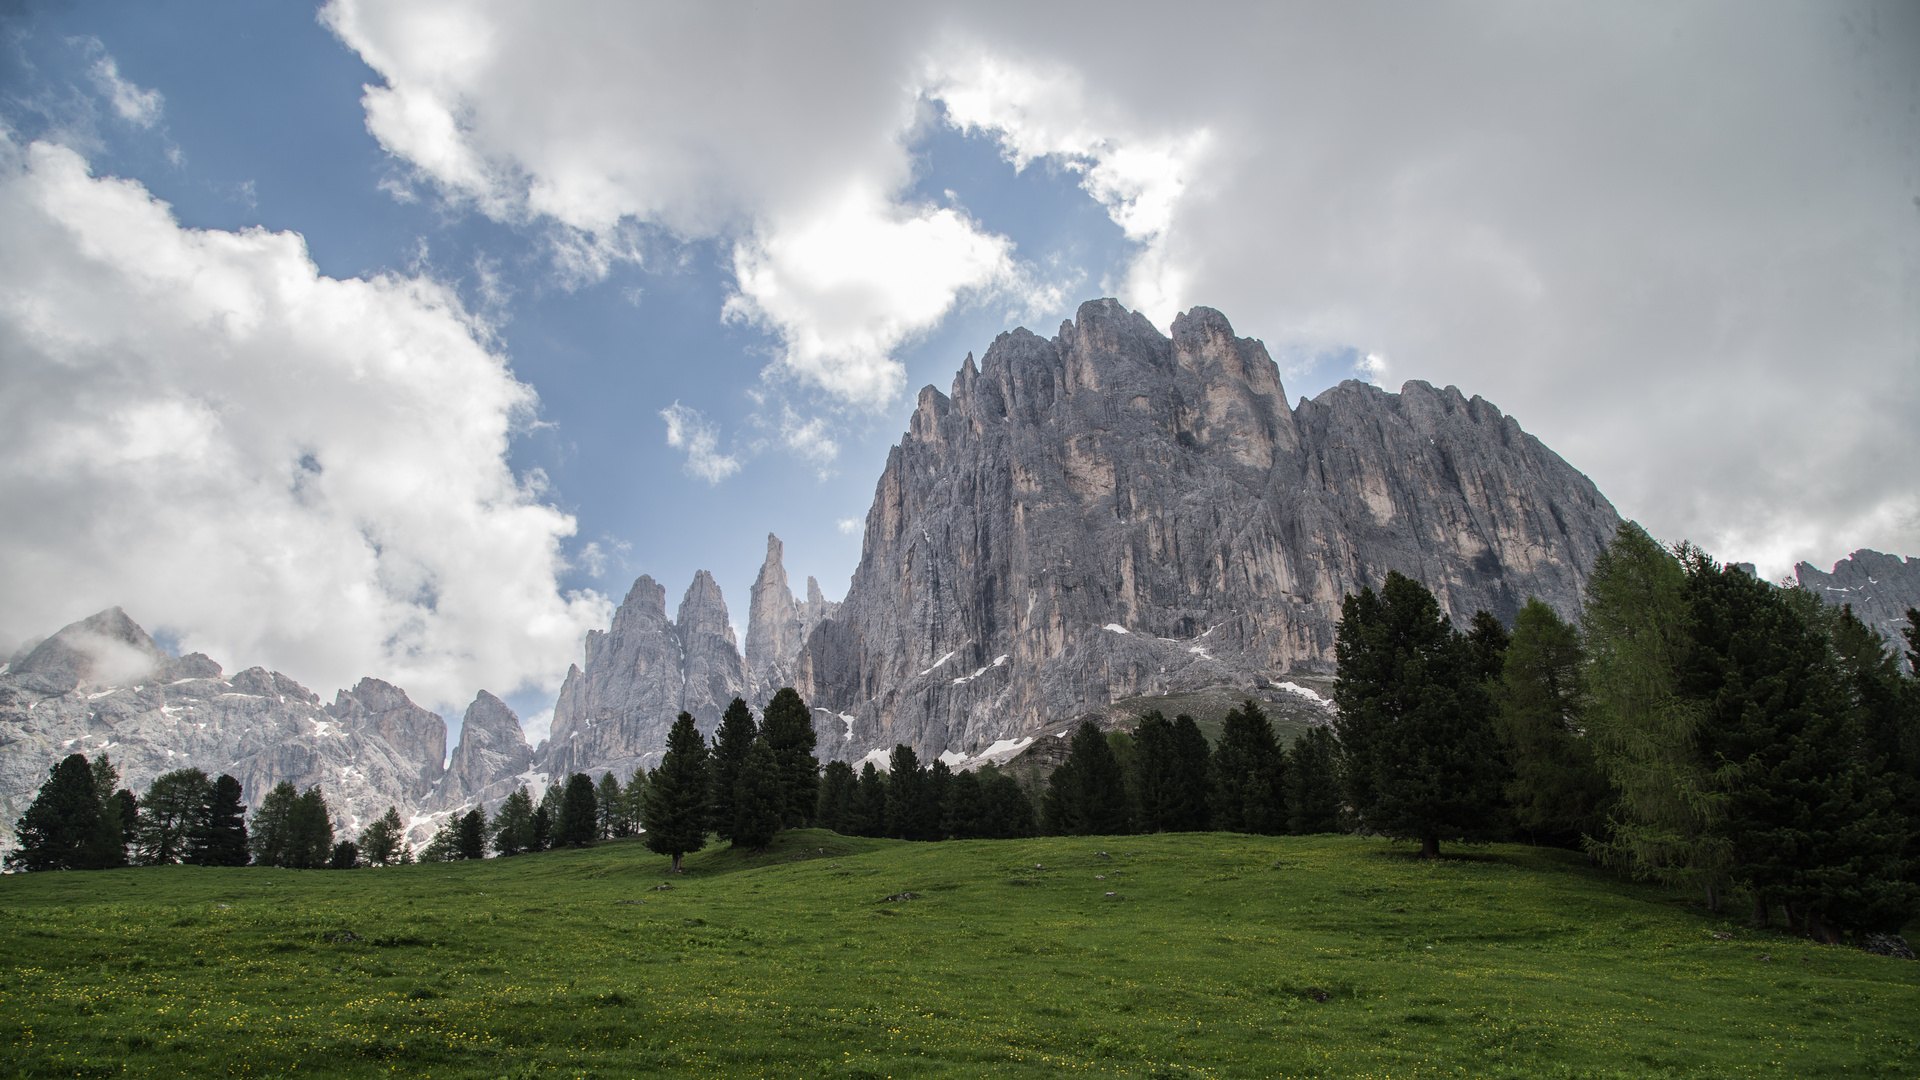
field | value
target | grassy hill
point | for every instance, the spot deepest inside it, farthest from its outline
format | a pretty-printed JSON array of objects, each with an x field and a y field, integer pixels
[{"x": 1203, "y": 955}]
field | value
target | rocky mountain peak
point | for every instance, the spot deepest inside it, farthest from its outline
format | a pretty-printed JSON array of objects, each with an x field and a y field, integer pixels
[
  {"x": 384, "y": 710},
  {"x": 777, "y": 624},
  {"x": 492, "y": 757},
  {"x": 1879, "y": 587},
  {"x": 103, "y": 649}
]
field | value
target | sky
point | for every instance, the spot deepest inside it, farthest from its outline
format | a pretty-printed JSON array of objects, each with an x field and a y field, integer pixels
[{"x": 398, "y": 338}]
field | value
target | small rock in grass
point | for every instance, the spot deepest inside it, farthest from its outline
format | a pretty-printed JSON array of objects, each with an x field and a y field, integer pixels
[
  {"x": 1099, "y": 877},
  {"x": 901, "y": 897},
  {"x": 661, "y": 886},
  {"x": 1722, "y": 936},
  {"x": 1888, "y": 945},
  {"x": 1318, "y": 994},
  {"x": 1764, "y": 957}
]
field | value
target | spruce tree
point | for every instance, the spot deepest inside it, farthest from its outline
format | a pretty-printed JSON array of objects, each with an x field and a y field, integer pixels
[
  {"x": 608, "y": 800},
  {"x": 1313, "y": 784},
  {"x": 312, "y": 835},
  {"x": 444, "y": 844},
  {"x": 119, "y": 818},
  {"x": 788, "y": 727},
  {"x": 962, "y": 815},
  {"x": 546, "y": 817},
  {"x": 1249, "y": 778},
  {"x": 380, "y": 841},
  {"x": 870, "y": 803},
  {"x": 62, "y": 826},
  {"x": 1009, "y": 812},
  {"x": 346, "y": 856},
  {"x": 1414, "y": 726},
  {"x": 1190, "y": 786},
  {"x": 939, "y": 790},
  {"x": 220, "y": 836},
  {"x": 579, "y": 813},
  {"x": 1086, "y": 795},
  {"x": 679, "y": 795},
  {"x": 838, "y": 789},
  {"x": 1558, "y": 793},
  {"x": 175, "y": 804},
  {"x": 1153, "y": 765},
  {"x": 911, "y": 812},
  {"x": 732, "y": 742},
  {"x": 1668, "y": 817},
  {"x": 273, "y": 826},
  {"x": 756, "y": 799},
  {"x": 513, "y": 824},
  {"x": 473, "y": 834}
]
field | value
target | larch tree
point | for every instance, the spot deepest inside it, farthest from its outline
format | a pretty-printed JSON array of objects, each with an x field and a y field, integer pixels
[
  {"x": 608, "y": 801},
  {"x": 380, "y": 840}
]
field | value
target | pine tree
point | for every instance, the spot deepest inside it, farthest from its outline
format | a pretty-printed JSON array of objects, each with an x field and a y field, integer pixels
[
  {"x": 870, "y": 803},
  {"x": 1190, "y": 782},
  {"x": 273, "y": 826},
  {"x": 1669, "y": 813},
  {"x": 346, "y": 856},
  {"x": 1313, "y": 784},
  {"x": 1249, "y": 778},
  {"x": 1008, "y": 811},
  {"x": 732, "y": 742},
  {"x": 472, "y": 833},
  {"x": 962, "y": 816},
  {"x": 380, "y": 841},
  {"x": 579, "y": 813},
  {"x": 1153, "y": 765},
  {"x": 61, "y": 827},
  {"x": 220, "y": 838},
  {"x": 1086, "y": 795},
  {"x": 513, "y": 824},
  {"x": 634, "y": 803},
  {"x": 174, "y": 808},
  {"x": 608, "y": 800},
  {"x": 788, "y": 727},
  {"x": 119, "y": 818},
  {"x": 756, "y": 799},
  {"x": 1558, "y": 793},
  {"x": 1420, "y": 758},
  {"x": 678, "y": 795},
  {"x": 911, "y": 812},
  {"x": 443, "y": 845},
  {"x": 546, "y": 817},
  {"x": 939, "y": 790},
  {"x": 838, "y": 789},
  {"x": 312, "y": 823}
]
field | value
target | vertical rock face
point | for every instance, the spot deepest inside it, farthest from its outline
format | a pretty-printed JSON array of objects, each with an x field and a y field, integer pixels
[
  {"x": 778, "y": 625},
  {"x": 491, "y": 761},
  {"x": 1880, "y": 587},
  {"x": 1115, "y": 512},
  {"x": 102, "y": 686},
  {"x": 641, "y": 673}
]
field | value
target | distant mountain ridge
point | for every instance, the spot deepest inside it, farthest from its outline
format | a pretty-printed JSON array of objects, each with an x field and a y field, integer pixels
[{"x": 1879, "y": 587}]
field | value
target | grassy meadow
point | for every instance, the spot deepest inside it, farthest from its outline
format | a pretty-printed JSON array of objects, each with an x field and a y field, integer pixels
[{"x": 1203, "y": 955}]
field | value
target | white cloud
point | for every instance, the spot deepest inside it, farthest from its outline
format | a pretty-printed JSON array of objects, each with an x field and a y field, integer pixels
[
  {"x": 136, "y": 106},
  {"x": 274, "y": 466},
  {"x": 851, "y": 526},
  {"x": 1372, "y": 368},
  {"x": 688, "y": 430},
  {"x": 811, "y": 438}
]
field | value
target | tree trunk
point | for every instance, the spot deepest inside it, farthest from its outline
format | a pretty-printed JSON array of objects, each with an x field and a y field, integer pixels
[
  {"x": 1759, "y": 916},
  {"x": 676, "y": 862},
  {"x": 1820, "y": 931},
  {"x": 1713, "y": 898},
  {"x": 1429, "y": 847}
]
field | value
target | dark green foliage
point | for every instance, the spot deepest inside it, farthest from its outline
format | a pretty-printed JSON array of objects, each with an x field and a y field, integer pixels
[
  {"x": 292, "y": 829},
  {"x": 220, "y": 836},
  {"x": 678, "y": 795},
  {"x": 513, "y": 824},
  {"x": 345, "y": 856},
  {"x": 788, "y": 727},
  {"x": 444, "y": 845},
  {"x": 579, "y": 813},
  {"x": 1558, "y": 793},
  {"x": 1249, "y": 775},
  {"x": 633, "y": 802},
  {"x": 1313, "y": 784},
  {"x": 1192, "y": 760},
  {"x": 312, "y": 831},
  {"x": 869, "y": 817},
  {"x": 756, "y": 799},
  {"x": 1086, "y": 795},
  {"x": 1420, "y": 760},
  {"x": 380, "y": 842},
  {"x": 1170, "y": 774},
  {"x": 609, "y": 801},
  {"x": 838, "y": 789},
  {"x": 173, "y": 810},
  {"x": 65, "y": 827},
  {"x": 913, "y": 813},
  {"x": 939, "y": 792},
  {"x": 732, "y": 742},
  {"x": 546, "y": 817},
  {"x": 1007, "y": 812},
  {"x": 962, "y": 813},
  {"x": 471, "y": 835}
]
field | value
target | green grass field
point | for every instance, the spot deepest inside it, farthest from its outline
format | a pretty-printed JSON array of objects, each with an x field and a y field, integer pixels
[{"x": 1214, "y": 955}]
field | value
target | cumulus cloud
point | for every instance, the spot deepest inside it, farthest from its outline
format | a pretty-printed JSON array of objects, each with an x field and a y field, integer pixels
[
  {"x": 688, "y": 430},
  {"x": 274, "y": 466},
  {"x": 1654, "y": 234}
]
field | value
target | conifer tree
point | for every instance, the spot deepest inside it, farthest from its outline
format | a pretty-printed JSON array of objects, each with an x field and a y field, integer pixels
[
  {"x": 175, "y": 804},
  {"x": 788, "y": 727},
  {"x": 608, "y": 800},
  {"x": 870, "y": 803},
  {"x": 1153, "y": 781},
  {"x": 63, "y": 826},
  {"x": 346, "y": 856},
  {"x": 1009, "y": 812},
  {"x": 472, "y": 834},
  {"x": 579, "y": 813},
  {"x": 444, "y": 844},
  {"x": 273, "y": 826},
  {"x": 1669, "y": 813},
  {"x": 312, "y": 831},
  {"x": 380, "y": 841},
  {"x": 513, "y": 824},
  {"x": 633, "y": 803},
  {"x": 679, "y": 795},
  {"x": 1313, "y": 784},
  {"x": 911, "y": 812},
  {"x": 1421, "y": 761},
  {"x": 119, "y": 817},
  {"x": 220, "y": 835},
  {"x": 962, "y": 816},
  {"x": 838, "y": 789},
  {"x": 939, "y": 789},
  {"x": 1249, "y": 778},
  {"x": 756, "y": 799},
  {"x": 732, "y": 742},
  {"x": 1190, "y": 786},
  {"x": 546, "y": 817},
  {"x": 1557, "y": 792},
  {"x": 1086, "y": 795}
]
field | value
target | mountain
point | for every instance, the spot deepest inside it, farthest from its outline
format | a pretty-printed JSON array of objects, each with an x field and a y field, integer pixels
[
  {"x": 1879, "y": 587},
  {"x": 101, "y": 685}
]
